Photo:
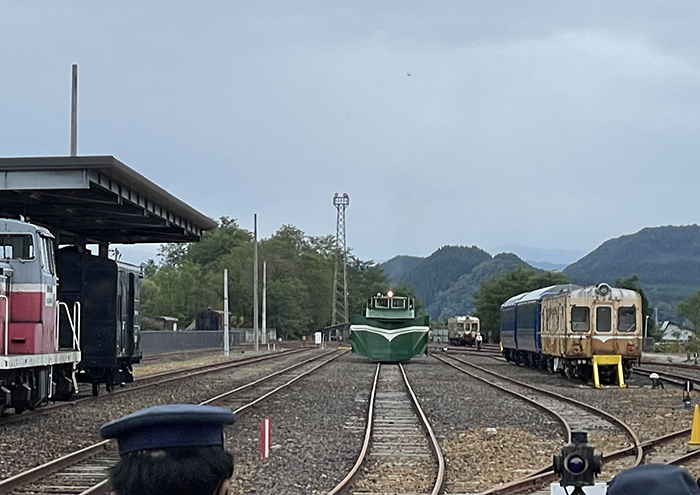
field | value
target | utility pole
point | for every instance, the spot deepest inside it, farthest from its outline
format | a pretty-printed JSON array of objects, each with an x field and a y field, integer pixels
[
  {"x": 226, "y": 316},
  {"x": 256, "y": 330},
  {"x": 264, "y": 304},
  {"x": 74, "y": 113},
  {"x": 340, "y": 280},
  {"x": 656, "y": 317}
]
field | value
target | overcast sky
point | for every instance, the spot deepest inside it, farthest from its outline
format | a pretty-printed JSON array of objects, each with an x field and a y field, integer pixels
[{"x": 554, "y": 125}]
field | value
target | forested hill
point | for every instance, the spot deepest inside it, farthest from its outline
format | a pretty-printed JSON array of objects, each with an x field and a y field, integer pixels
[
  {"x": 399, "y": 265},
  {"x": 666, "y": 260},
  {"x": 446, "y": 280}
]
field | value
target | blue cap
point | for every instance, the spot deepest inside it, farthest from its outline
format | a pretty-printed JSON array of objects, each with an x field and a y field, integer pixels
[
  {"x": 653, "y": 479},
  {"x": 168, "y": 426}
]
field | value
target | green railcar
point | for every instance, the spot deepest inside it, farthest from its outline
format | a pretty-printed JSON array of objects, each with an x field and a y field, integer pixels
[{"x": 389, "y": 331}]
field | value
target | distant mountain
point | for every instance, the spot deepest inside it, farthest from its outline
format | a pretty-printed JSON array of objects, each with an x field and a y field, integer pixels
[
  {"x": 458, "y": 299},
  {"x": 441, "y": 269},
  {"x": 546, "y": 265},
  {"x": 446, "y": 280},
  {"x": 666, "y": 260},
  {"x": 556, "y": 256},
  {"x": 398, "y": 265}
]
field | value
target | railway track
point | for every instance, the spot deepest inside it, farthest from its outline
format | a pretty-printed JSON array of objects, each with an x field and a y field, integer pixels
[
  {"x": 85, "y": 471},
  {"x": 604, "y": 430},
  {"x": 670, "y": 448},
  {"x": 669, "y": 376},
  {"x": 150, "y": 381},
  {"x": 400, "y": 453}
]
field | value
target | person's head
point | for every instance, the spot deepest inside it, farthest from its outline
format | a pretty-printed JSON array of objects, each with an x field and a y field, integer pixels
[
  {"x": 176, "y": 471},
  {"x": 653, "y": 479},
  {"x": 174, "y": 449}
]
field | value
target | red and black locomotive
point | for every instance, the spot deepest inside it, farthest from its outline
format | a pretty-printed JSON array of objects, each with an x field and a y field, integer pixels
[{"x": 64, "y": 317}]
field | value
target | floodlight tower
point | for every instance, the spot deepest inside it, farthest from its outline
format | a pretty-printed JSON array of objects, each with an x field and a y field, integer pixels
[{"x": 340, "y": 280}]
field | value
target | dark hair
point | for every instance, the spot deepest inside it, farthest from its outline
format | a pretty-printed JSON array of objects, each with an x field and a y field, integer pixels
[{"x": 175, "y": 471}]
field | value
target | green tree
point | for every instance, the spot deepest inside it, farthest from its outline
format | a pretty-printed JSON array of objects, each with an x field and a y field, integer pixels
[
  {"x": 498, "y": 289},
  {"x": 299, "y": 272},
  {"x": 690, "y": 309}
]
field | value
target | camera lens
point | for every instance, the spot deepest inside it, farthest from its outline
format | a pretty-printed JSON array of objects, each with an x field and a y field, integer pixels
[{"x": 575, "y": 465}]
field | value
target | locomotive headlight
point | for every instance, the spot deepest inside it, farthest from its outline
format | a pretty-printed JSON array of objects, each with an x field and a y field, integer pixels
[{"x": 390, "y": 294}]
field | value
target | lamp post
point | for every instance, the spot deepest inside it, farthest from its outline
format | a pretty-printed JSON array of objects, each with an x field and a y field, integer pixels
[
  {"x": 226, "y": 314},
  {"x": 646, "y": 325}
]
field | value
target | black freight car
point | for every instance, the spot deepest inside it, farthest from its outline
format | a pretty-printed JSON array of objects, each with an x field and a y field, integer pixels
[{"x": 109, "y": 295}]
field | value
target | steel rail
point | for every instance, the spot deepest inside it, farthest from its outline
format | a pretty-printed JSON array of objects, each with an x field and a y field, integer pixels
[
  {"x": 180, "y": 375},
  {"x": 368, "y": 437},
  {"x": 434, "y": 445},
  {"x": 425, "y": 425},
  {"x": 685, "y": 457},
  {"x": 686, "y": 365},
  {"x": 546, "y": 473},
  {"x": 221, "y": 397},
  {"x": 637, "y": 444},
  {"x": 31, "y": 475},
  {"x": 564, "y": 423},
  {"x": 669, "y": 377},
  {"x": 35, "y": 473}
]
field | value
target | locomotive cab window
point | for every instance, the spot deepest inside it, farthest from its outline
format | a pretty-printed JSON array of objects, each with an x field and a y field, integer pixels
[
  {"x": 48, "y": 262},
  {"x": 580, "y": 319},
  {"x": 398, "y": 302},
  {"x": 603, "y": 319},
  {"x": 16, "y": 247},
  {"x": 382, "y": 302},
  {"x": 627, "y": 319}
]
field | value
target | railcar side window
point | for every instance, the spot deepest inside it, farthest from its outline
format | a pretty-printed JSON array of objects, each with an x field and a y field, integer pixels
[
  {"x": 603, "y": 319},
  {"x": 580, "y": 319},
  {"x": 16, "y": 247},
  {"x": 626, "y": 319}
]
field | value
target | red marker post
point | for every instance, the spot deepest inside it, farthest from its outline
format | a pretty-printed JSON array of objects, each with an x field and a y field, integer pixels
[{"x": 265, "y": 427}]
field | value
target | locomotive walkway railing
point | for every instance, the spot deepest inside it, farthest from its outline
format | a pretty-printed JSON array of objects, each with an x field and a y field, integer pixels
[
  {"x": 6, "y": 320},
  {"x": 73, "y": 321}
]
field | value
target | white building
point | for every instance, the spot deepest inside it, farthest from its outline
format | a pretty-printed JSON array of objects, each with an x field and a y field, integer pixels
[{"x": 675, "y": 333}]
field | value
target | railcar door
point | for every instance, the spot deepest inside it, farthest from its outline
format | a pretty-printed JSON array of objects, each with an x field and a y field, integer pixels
[
  {"x": 577, "y": 343},
  {"x": 604, "y": 341}
]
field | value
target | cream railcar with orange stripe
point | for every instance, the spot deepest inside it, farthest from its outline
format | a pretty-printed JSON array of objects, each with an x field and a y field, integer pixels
[{"x": 567, "y": 328}]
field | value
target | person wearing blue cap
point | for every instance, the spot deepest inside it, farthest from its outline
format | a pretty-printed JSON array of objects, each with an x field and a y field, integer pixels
[
  {"x": 174, "y": 449},
  {"x": 653, "y": 479}
]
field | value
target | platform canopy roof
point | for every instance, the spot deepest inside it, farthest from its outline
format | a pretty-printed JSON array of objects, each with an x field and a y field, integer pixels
[{"x": 95, "y": 199}]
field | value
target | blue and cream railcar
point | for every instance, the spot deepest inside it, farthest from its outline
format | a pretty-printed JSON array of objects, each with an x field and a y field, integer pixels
[
  {"x": 521, "y": 325},
  {"x": 574, "y": 330}
]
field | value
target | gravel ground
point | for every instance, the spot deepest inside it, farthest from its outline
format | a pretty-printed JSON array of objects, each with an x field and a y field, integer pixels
[
  {"x": 317, "y": 426},
  {"x": 460, "y": 410},
  {"x": 317, "y": 432},
  {"x": 650, "y": 413},
  {"x": 43, "y": 438},
  {"x": 179, "y": 361}
]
